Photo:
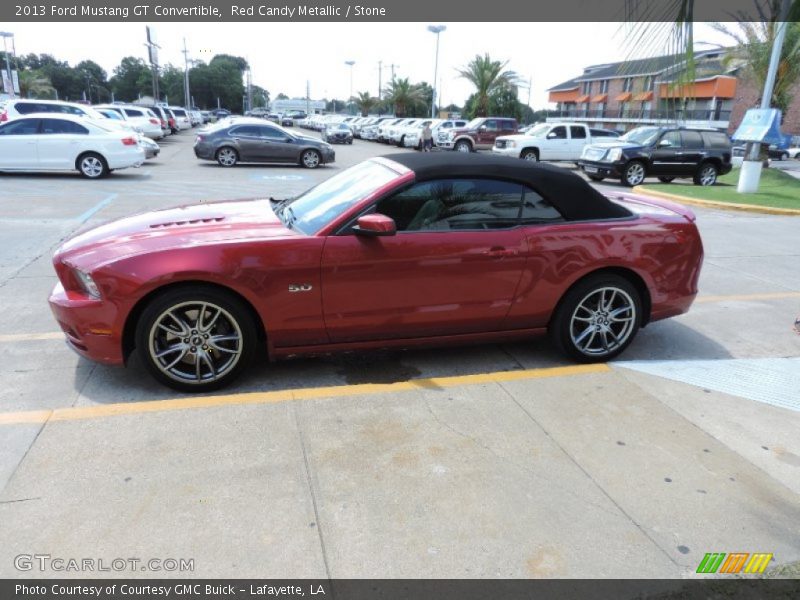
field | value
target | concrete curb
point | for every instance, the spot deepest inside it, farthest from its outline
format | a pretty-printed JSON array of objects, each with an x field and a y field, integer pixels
[{"x": 769, "y": 210}]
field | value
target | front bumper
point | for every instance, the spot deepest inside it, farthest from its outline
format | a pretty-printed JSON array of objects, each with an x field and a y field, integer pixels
[
  {"x": 88, "y": 325},
  {"x": 507, "y": 151},
  {"x": 328, "y": 156},
  {"x": 601, "y": 169}
]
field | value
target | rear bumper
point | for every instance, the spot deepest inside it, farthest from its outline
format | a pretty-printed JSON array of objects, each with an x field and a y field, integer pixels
[{"x": 87, "y": 325}]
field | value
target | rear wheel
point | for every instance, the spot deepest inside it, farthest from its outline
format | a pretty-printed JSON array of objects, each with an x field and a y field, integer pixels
[
  {"x": 92, "y": 166},
  {"x": 666, "y": 179},
  {"x": 633, "y": 174},
  {"x": 597, "y": 319},
  {"x": 196, "y": 340},
  {"x": 706, "y": 174},
  {"x": 227, "y": 157},
  {"x": 530, "y": 154}
]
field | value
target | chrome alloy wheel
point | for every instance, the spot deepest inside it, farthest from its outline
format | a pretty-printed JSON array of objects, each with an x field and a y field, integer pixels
[
  {"x": 634, "y": 174},
  {"x": 310, "y": 159},
  {"x": 602, "y": 322},
  {"x": 92, "y": 167},
  {"x": 708, "y": 175},
  {"x": 195, "y": 342},
  {"x": 227, "y": 157}
]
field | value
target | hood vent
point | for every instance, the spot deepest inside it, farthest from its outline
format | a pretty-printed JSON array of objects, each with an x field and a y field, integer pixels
[{"x": 187, "y": 222}]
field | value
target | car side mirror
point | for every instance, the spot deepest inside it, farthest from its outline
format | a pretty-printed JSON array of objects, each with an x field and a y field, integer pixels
[
  {"x": 482, "y": 128},
  {"x": 664, "y": 144},
  {"x": 551, "y": 135},
  {"x": 375, "y": 225}
]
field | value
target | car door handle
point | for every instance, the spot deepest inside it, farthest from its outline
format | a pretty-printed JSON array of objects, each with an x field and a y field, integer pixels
[{"x": 498, "y": 252}]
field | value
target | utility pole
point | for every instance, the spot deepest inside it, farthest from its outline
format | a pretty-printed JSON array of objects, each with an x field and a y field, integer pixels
[
  {"x": 186, "y": 95},
  {"x": 436, "y": 29},
  {"x": 380, "y": 81},
  {"x": 392, "y": 66},
  {"x": 308, "y": 98}
]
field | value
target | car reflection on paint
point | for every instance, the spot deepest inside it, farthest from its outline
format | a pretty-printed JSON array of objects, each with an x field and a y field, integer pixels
[{"x": 398, "y": 251}]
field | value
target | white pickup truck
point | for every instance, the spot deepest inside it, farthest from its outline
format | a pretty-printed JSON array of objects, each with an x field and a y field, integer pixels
[{"x": 551, "y": 141}]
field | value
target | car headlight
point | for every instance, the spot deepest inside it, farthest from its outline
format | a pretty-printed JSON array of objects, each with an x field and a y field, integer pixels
[
  {"x": 87, "y": 283},
  {"x": 511, "y": 144},
  {"x": 613, "y": 155}
]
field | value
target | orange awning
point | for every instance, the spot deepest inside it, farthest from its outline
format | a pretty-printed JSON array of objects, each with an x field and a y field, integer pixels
[
  {"x": 643, "y": 97},
  {"x": 718, "y": 87},
  {"x": 623, "y": 97},
  {"x": 600, "y": 98},
  {"x": 581, "y": 99},
  {"x": 564, "y": 95}
]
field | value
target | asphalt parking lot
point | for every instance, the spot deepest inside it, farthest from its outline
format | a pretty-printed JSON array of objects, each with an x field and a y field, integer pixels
[{"x": 487, "y": 461}]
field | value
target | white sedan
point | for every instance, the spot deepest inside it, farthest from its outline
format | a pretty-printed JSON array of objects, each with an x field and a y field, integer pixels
[{"x": 59, "y": 142}]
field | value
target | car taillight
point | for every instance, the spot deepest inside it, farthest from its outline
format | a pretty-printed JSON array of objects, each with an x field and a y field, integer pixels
[
  {"x": 154, "y": 121},
  {"x": 163, "y": 123},
  {"x": 3, "y": 117},
  {"x": 129, "y": 141}
]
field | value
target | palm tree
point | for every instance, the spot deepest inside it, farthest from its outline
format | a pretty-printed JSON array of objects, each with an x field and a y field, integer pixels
[
  {"x": 402, "y": 95},
  {"x": 365, "y": 103},
  {"x": 753, "y": 51},
  {"x": 33, "y": 84},
  {"x": 487, "y": 76}
]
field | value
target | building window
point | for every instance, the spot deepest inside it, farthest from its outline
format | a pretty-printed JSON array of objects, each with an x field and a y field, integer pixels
[
  {"x": 623, "y": 110},
  {"x": 648, "y": 84},
  {"x": 604, "y": 86},
  {"x": 600, "y": 109},
  {"x": 586, "y": 87},
  {"x": 627, "y": 84}
]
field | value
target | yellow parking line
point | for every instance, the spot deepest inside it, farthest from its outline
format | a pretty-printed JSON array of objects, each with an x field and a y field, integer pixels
[{"x": 111, "y": 410}]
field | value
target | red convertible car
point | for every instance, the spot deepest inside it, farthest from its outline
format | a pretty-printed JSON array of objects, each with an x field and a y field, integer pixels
[{"x": 402, "y": 250}]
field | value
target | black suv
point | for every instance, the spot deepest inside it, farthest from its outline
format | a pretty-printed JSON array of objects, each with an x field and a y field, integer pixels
[{"x": 663, "y": 152}]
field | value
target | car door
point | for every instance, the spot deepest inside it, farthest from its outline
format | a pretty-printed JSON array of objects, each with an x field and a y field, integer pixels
[
  {"x": 453, "y": 266},
  {"x": 667, "y": 154},
  {"x": 692, "y": 151},
  {"x": 19, "y": 144},
  {"x": 60, "y": 143},
  {"x": 487, "y": 133},
  {"x": 557, "y": 143},
  {"x": 247, "y": 140},
  {"x": 577, "y": 140},
  {"x": 276, "y": 145}
]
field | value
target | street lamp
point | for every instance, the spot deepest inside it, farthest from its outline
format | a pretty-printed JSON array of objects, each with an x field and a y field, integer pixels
[
  {"x": 350, "y": 64},
  {"x": 437, "y": 29},
  {"x": 4, "y": 35}
]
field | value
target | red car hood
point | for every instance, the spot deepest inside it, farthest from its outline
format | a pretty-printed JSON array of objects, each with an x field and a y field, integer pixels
[{"x": 171, "y": 228}]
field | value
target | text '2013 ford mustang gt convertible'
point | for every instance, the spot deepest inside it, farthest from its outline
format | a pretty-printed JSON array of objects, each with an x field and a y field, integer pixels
[{"x": 398, "y": 251}]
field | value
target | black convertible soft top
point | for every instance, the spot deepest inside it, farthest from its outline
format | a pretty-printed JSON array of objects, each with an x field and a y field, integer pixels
[{"x": 569, "y": 193}]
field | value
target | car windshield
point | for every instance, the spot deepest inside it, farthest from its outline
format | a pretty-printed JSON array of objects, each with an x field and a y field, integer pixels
[
  {"x": 474, "y": 123},
  {"x": 538, "y": 130},
  {"x": 330, "y": 199},
  {"x": 641, "y": 135}
]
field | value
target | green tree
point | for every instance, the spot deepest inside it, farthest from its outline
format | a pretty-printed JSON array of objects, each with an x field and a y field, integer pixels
[
  {"x": 171, "y": 84},
  {"x": 34, "y": 84},
  {"x": 401, "y": 94},
  {"x": 131, "y": 79},
  {"x": 96, "y": 81},
  {"x": 487, "y": 76},
  {"x": 365, "y": 103}
]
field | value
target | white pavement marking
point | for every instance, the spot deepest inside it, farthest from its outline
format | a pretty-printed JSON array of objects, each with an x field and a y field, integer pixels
[
  {"x": 96, "y": 208},
  {"x": 774, "y": 381}
]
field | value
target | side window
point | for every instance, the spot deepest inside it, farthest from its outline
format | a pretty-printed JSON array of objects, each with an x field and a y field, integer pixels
[
  {"x": 577, "y": 132},
  {"x": 455, "y": 205},
  {"x": 673, "y": 137},
  {"x": 510, "y": 125},
  {"x": 271, "y": 133},
  {"x": 69, "y": 110},
  {"x": 21, "y": 127},
  {"x": 56, "y": 126},
  {"x": 715, "y": 139},
  {"x": 26, "y": 108},
  {"x": 132, "y": 112},
  {"x": 490, "y": 125},
  {"x": 692, "y": 139},
  {"x": 245, "y": 131},
  {"x": 536, "y": 209},
  {"x": 558, "y": 133}
]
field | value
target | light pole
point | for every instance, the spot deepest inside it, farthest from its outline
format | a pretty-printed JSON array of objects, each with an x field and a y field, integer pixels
[
  {"x": 437, "y": 29},
  {"x": 350, "y": 64},
  {"x": 6, "y": 34}
]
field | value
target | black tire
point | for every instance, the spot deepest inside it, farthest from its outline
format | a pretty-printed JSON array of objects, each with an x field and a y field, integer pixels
[
  {"x": 531, "y": 154},
  {"x": 706, "y": 174},
  {"x": 402, "y": 141},
  {"x": 666, "y": 179},
  {"x": 569, "y": 322},
  {"x": 462, "y": 146},
  {"x": 350, "y": 142},
  {"x": 226, "y": 156},
  {"x": 310, "y": 159},
  {"x": 596, "y": 177},
  {"x": 232, "y": 357},
  {"x": 92, "y": 166},
  {"x": 634, "y": 173}
]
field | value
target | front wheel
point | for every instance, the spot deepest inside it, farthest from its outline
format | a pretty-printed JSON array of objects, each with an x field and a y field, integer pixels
[
  {"x": 633, "y": 174},
  {"x": 463, "y": 146},
  {"x": 530, "y": 154},
  {"x": 706, "y": 175},
  {"x": 310, "y": 159},
  {"x": 196, "y": 340},
  {"x": 597, "y": 319},
  {"x": 93, "y": 166}
]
